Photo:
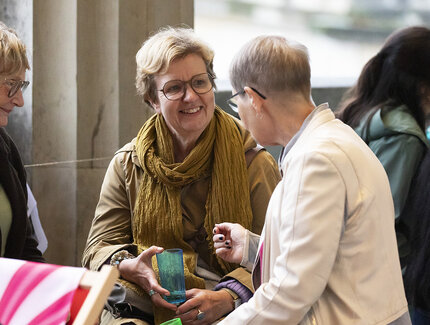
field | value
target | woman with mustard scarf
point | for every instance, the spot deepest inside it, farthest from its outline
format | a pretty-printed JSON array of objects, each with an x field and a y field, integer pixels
[{"x": 191, "y": 166}]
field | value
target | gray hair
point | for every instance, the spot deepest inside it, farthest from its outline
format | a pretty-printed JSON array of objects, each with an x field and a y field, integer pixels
[{"x": 272, "y": 63}]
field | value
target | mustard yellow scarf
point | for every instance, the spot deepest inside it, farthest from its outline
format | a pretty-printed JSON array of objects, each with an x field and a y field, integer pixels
[{"x": 219, "y": 152}]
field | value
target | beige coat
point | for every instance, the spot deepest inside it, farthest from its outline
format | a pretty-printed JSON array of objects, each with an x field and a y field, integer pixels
[
  {"x": 111, "y": 228},
  {"x": 329, "y": 252}
]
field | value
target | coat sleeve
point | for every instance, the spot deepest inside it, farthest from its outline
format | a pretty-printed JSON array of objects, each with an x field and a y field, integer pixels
[
  {"x": 31, "y": 252},
  {"x": 306, "y": 224},
  {"x": 263, "y": 177},
  {"x": 111, "y": 227}
]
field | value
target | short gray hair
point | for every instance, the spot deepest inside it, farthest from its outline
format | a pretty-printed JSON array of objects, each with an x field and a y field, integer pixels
[{"x": 272, "y": 63}]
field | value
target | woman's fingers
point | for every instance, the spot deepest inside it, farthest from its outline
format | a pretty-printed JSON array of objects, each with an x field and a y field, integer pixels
[
  {"x": 222, "y": 244},
  {"x": 158, "y": 288},
  {"x": 223, "y": 250},
  {"x": 151, "y": 251},
  {"x": 218, "y": 238},
  {"x": 158, "y": 300}
]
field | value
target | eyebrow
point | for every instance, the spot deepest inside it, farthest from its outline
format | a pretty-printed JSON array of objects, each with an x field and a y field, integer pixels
[
  {"x": 196, "y": 74},
  {"x": 15, "y": 78}
]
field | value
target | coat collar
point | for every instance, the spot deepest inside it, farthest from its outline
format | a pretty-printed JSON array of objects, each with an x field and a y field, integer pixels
[{"x": 318, "y": 116}]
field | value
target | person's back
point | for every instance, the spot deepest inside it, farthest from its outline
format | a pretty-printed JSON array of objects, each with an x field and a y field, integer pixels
[
  {"x": 372, "y": 293},
  {"x": 354, "y": 294}
]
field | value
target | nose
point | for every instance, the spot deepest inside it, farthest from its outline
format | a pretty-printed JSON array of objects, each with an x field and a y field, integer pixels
[
  {"x": 189, "y": 93},
  {"x": 18, "y": 99}
]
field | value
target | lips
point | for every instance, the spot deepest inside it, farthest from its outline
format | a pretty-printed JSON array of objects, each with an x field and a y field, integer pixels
[
  {"x": 191, "y": 110},
  {"x": 7, "y": 111}
]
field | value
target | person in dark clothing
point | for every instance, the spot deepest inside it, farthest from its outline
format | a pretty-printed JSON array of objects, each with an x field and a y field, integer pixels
[
  {"x": 17, "y": 239},
  {"x": 417, "y": 209}
]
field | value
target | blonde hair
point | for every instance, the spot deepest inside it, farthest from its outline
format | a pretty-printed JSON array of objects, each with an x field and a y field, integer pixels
[
  {"x": 157, "y": 52},
  {"x": 272, "y": 63},
  {"x": 13, "y": 56}
]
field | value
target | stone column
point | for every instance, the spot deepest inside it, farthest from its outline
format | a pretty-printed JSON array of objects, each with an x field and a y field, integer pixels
[
  {"x": 137, "y": 20},
  {"x": 55, "y": 126},
  {"x": 86, "y": 105}
]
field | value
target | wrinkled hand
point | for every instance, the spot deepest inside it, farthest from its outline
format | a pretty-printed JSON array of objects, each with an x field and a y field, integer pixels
[
  {"x": 214, "y": 304},
  {"x": 229, "y": 241},
  {"x": 139, "y": 271}
]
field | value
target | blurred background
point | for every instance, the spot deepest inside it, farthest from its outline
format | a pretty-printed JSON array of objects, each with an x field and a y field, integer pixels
[
  {"x": 81, "y": 105},
  {"x": 341, "y": 35}
]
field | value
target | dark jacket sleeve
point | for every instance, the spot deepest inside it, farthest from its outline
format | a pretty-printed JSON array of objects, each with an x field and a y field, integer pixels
[{"x": 31, "y": 252}]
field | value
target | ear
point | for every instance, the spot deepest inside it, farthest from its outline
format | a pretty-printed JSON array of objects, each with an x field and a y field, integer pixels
[
  {"x": 155, "y": 104},
  {"x": 256, "y": 100}
]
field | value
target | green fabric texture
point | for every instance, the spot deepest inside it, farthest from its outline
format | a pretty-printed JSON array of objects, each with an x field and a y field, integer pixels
[{"x": 395, "y": 137}]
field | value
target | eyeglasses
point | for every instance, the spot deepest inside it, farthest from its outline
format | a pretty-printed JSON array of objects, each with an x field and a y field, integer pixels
[
  {"x": 232, "y": 101},
  {"x": 175, "y": 89},
  {"x": 15, "y": 85}
]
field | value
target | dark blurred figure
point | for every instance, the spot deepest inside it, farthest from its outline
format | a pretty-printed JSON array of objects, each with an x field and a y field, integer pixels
[{"x": 417, "y": 276}]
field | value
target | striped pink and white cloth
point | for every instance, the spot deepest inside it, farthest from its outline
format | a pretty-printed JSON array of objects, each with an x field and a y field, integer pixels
[{"x": 36, "y": 293}]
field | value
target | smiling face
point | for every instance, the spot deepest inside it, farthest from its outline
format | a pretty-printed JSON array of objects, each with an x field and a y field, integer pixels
[
  {"x": 187, "y": 117},
  {"x": 7, "y": 104}
]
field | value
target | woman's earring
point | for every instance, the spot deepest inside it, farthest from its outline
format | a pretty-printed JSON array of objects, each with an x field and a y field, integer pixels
[{"x": 259, "y": 116}]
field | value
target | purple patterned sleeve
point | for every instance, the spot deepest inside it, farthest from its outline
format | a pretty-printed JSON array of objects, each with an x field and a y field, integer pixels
[{"x": 242, "y": 291}]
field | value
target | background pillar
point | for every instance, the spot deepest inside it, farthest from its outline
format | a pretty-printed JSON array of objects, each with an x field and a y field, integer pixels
[{"x": 85, "y": 104}]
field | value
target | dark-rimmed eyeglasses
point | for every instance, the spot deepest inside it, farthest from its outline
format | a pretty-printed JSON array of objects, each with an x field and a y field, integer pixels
[
  {"x": 232, "y": 100},
  {"x": 175, "y": 89},
  {"x": 15, "y": 85}
]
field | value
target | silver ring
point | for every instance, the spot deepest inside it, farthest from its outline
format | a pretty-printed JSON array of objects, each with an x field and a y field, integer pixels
[
  {"x": 151, "y": 293},
  {"x": 201, "y": 315}
]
